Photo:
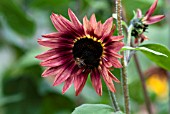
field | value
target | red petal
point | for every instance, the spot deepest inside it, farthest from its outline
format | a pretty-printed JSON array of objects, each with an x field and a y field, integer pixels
[
  {"x": 151, "y": 10},
  {"x": 87, "y": 26},
  {"x": 80, "y": 81},
  {"x": 107, "y": 78},
  {"x": 53, "y": 53},
  {"x": 107, "y": 26},
  {"x": 46, "y": 54},
  {"x": 67, "y": 84},
  {"x": 116, "y": 38},
  {"x": 51, "y": 71},
  {"x": 113, "y": 53},
  {"x": 55, "y": 43},
  {"x": 96, "y": 81},
  {"x": 53, "y": 35},
  {"x": 139, "y": 13},
  {"x": 113, "y": 77},
  {"x": 98, "y": 30},
  {"x": 56, "y": 61},
  {"x": 72, "y": 27},
  {"x": 154, "y": 19},
  {"x": 54, "y": 18},
  {"x": 115, "y": 62},
  {"x": 74, "y": 19},
  {"x": 75, "y": 72},
  {"x": 65, "y": 74},
  {"x": 93, "y": 21},
  {"x": 115, "y": 46},
  {"x": 106, "y": 63}
]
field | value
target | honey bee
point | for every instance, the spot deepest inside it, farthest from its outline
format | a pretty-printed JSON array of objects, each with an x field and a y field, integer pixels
[{"x": 80, "y": 62}]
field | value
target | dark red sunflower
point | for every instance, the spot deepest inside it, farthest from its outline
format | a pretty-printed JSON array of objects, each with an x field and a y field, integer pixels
[{"x": 78, "y": 50}]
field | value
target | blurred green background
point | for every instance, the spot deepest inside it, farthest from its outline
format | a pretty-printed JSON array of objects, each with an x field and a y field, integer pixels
[{"x": 24, "y": 91}]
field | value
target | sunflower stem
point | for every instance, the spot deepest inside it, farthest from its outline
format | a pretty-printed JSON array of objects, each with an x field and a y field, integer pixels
[
  {"x": 147, "y": 100},
  {"x": 119, "y": 17},
  {"x": 114, "y": 101},
  {"x": 124, "y": 73},
  {"x": 130, "y": 28}
]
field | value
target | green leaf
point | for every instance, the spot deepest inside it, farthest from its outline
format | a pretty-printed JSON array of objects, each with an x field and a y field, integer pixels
[
  {"x": 155, "y": 52},
  {"x": 16, "y": 18},
  {"x": 143, "y": 49},
  {"x": 94, "y": 109},
  {"x": 162, "y": 61}
]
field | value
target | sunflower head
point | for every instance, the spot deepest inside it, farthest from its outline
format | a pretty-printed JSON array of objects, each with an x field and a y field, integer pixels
[
  {"x": 78, "y": 50},
  {"x": 140, "y": 23}
]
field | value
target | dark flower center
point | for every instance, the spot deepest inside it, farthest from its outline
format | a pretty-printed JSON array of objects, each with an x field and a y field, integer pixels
[
  {"x": 139, "y": 27},
  {"x": 87, "y": 52}
]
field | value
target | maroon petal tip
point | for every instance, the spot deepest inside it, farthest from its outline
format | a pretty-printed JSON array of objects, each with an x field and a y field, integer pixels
[
  {"x": 151, "y": 9},
  {"x": 154, "y": 19},
  {"x": 37, "y": 57}
]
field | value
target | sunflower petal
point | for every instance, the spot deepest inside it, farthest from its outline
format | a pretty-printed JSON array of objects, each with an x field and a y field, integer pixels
[
  {"x": 113, "y": 77},
  {"x": 107, "y": 26},
  {"x": 51, "y": 71},
  {"x": 80, "y": 81},
  {"x": 65, "y": 74},
  {"x": 93, "y": 21},
  {"x": 53, "y": 35},
  {"x": 116, "y": 38},
  {"x": 74, "y": 19},
  {"x": 154, "y": 19},
  {"x": 87, "y": 26},
  {"x": 46, "y": 54},
  {"x": 115, "y": 62},
  {"x": 54, "y": 19},
  {"x": 106, "y": 63},
  {"x": 115, "y": 46},
  {"x": 151, "y": 10},
  {"x": 56, "y": 61},
  {"x": 98, "y": 30},
  {"x": 53, "y": 53},
  {"x": 67, "y": 84},
  {"x": 139, "y": 13},
  {"x": 96, "y": 81},
  {"x": 107, "y": 79},
  {"x": 55, "y": 44}
]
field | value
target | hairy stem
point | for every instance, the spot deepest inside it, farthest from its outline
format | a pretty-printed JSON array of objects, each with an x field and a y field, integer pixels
[
  {"x": 128, "y": 56},
  {"x": 114, "y": 101},
  {"x": 124, "y": 73},
  {"x": 119, "y": 17},
  {"x": 147, "y": 100}
]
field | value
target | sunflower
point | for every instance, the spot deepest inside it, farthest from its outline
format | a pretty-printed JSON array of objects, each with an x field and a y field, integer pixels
[
  {"x": 140, "y": 23},
  {"x": 78, "y": 50}
]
